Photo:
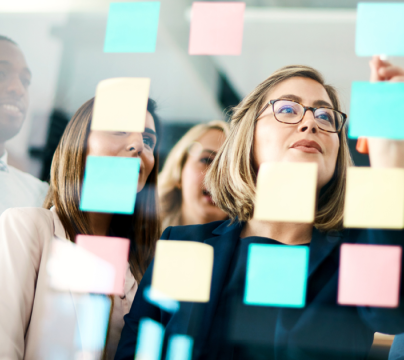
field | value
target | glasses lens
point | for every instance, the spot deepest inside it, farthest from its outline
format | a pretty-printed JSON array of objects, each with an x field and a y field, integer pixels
[
  {"x": 288, "y": 111},
  {"x": 328, "y": 119}
]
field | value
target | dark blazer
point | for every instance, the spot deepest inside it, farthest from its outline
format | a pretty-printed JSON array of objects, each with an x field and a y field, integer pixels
[{"x": 321, "y": 330}]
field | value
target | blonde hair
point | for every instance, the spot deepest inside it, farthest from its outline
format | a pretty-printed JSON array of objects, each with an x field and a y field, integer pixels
[
  {"x": 231, "y": 178},
  {"x": 170, "y": 177}
]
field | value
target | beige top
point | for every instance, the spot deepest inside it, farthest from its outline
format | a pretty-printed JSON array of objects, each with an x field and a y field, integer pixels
[{"x": 25, "y": 236}]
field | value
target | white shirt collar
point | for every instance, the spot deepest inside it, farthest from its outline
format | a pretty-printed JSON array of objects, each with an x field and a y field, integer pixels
[{"x": 4, "y": 157}]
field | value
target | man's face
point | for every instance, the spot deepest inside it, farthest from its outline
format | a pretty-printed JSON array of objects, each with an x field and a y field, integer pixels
[{"x": 15, "y": 78}]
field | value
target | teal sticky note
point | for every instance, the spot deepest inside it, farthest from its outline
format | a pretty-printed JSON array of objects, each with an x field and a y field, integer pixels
[
  {"x": 110, "y": 184},
  {"x": 276, "y": 275},
  {"x": 92, "y": 313},
  {"x": 180, "y": 347},
  {"x": 161, "y": 300},
  {"x": 380, "y": 29},
  {"x": 377, "y": 110},
  {"x": 150, "y": 340},
  {"x": 132, "y": 27}
]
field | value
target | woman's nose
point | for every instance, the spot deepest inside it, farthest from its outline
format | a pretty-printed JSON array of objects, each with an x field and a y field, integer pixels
[
  {"x": 308, "y": 123},
  {"x": 136, "y": 143}
]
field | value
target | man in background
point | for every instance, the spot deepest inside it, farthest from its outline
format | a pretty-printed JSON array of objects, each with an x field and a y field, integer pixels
[{"x": 17, "y": 189}]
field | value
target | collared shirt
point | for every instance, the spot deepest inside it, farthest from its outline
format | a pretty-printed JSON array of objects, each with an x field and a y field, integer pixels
[{"x": 19, "y": 189}]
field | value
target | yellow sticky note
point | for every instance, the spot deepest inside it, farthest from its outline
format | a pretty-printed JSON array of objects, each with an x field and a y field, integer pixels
[
  {"x": 374, "y": 198},
  {"x": 121, "y": 104},
  {"x": 183, "y": 270},
  {"x": 286, "y": 192}
]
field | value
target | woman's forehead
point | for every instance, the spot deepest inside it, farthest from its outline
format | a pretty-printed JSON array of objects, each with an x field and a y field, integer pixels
[
  {"x": 150, "y": 121},
  {"x": 304, "y": 90}
]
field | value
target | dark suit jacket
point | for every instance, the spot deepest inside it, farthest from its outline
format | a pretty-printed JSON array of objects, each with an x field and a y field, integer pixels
[{"x": 321, "y": 330}]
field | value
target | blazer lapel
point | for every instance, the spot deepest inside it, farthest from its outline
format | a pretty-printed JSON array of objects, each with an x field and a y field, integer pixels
[
  {"x": 322, "y": 244},
  {"x": 201, "y": 315}
]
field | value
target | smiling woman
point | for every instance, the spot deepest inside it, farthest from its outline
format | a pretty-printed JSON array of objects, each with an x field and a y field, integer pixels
[
  {"x": 184, "y": 199},
  {"x": 26, "y": 233}
]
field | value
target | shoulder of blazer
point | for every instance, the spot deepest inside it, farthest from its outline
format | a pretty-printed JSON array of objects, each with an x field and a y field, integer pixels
[{"x": 198, "y": 232}]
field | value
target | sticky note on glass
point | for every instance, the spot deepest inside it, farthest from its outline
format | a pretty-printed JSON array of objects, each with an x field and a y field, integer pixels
[
  {"x": 369, "y": 275},
  {"x": 183, "y": 270},
  {"x": 55, "y": 333},
  {"x": 377, "y": 110},
  {"x": 110, "y": 184},
  {"x": 111, "y": 249},
  {"x": 276, "y": 275},
  {"x": 180, "y": 347},
  {"x": 92, "y": 313},
  {"x": 132, "y": 27},
  {"x": 216, "y": 28},
  {"x": 374, "y": 198},
  {"x": 379, "y": 29},
  {"x": 90, "y": 273},
  {"x": 286, "y": 192},
  {"x": 158, "y": 299},
  {"x": 150, "y": 340},
  {"x": 121, "y": 105}
]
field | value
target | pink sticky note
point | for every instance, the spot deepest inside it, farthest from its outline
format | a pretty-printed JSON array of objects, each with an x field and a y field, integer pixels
[
  {"x": 216, "y": 28},
  {"x": 111, "y": 249},
  {"x": 369, "y": 275}
]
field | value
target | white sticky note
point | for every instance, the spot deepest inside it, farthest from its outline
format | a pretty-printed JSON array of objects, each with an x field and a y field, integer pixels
[
  {"x": 121, "y": 105},
  {"x": 374, "y": 198},
  {"x": 286, "y": 192},
  {"x": 183, "y": 270},
  {"x": 72, "y": 268}
]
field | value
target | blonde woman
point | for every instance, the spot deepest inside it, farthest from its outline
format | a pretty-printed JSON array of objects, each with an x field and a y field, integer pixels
[
  {"x": 292, "y": 116},
  {"x": 26, "y": 233},
  {"x": 184, "y": 199}
]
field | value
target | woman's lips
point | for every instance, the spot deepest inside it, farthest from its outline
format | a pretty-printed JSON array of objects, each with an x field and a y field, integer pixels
[
  {"x": 206, "y": 194},
  {"x": 307, "y": 146},
  {"x": 306, "y": 149}
]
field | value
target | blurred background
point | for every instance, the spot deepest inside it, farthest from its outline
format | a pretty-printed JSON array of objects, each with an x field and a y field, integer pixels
[{"x": 63, "y": 44}]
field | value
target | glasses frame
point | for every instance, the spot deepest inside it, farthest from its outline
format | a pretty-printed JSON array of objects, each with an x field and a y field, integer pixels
[{"x": 312, "y": 109}]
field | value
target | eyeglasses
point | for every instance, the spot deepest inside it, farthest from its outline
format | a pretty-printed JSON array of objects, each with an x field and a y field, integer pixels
[{"x": 292, "y": 112}]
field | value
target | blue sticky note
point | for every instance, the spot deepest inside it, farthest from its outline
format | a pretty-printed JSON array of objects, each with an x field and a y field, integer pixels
[
  {"x": 276, "y": 275},
  {"x": 161, "y": 300},
  {"x": 110, "y": 184},
  {"x": 180, "y": 347},
  {"x": 380, "y": 29},
  {"x": 92, "y": 322},
  {"x": 150, "y": 340},
  {"x": 132, "y": 27},
  {"x": 377, "y": 110}
]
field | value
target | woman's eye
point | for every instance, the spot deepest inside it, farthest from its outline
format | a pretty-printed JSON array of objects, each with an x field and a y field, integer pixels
[
  {"x": 286, "y": 110},
  {"x": 324, "y": 117},
  {"x": 120, "y": 132},
  {"x": 149, "y": 142},
  {"x": 206, "y": 160}
]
